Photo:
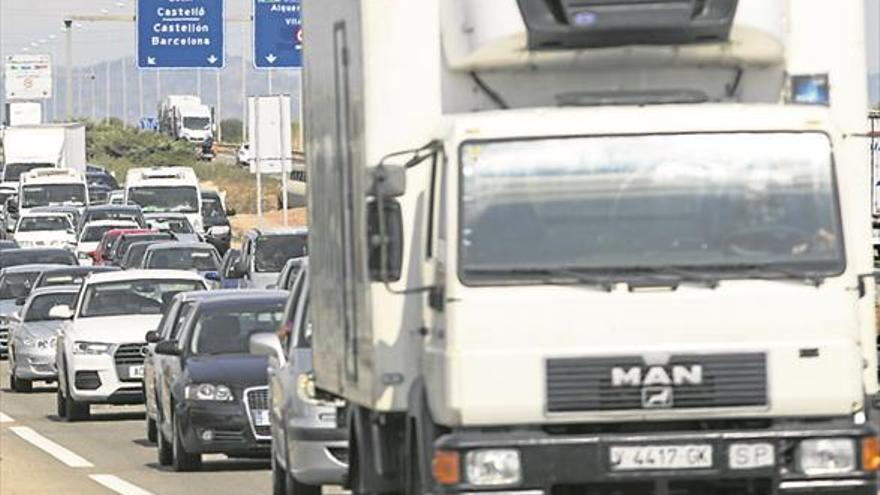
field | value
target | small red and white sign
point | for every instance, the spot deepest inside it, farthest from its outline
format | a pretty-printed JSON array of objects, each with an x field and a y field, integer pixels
[{"x": 28, "y": 77}]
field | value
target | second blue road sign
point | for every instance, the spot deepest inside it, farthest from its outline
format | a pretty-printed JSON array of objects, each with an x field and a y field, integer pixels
[
  {"x": 175, "y": 34},
  {"x": 278, "y": 34}
]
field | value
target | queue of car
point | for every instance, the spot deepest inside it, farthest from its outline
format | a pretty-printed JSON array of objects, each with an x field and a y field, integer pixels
[{"x": 134, "y": 308}]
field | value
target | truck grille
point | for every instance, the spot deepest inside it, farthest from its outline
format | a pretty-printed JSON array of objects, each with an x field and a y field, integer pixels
[
  {"x": 585, "y": 384},
  {"x": 257, "y": 400},
  {"x": 129, "y": 354}
]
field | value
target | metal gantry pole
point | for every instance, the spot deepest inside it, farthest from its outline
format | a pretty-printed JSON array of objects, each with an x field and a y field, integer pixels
[
  {"x": 68, "y": 42},
  {"x": 94, "y": 96},
  {"x": 140, "y": 94},
  {"x": 244, "y": 100},
  {"x": 218, "y": 113},
  {"x": 81, "y": 81},
  {"x": 124, "y": 95},
  {"x": 107, "y": 92},
  {"x": 255, "y": 146}
]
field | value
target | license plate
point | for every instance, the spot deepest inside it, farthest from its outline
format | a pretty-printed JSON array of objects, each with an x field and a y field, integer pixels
[
  {"x": 136, "y": 371},
  {"x": 650, "y": 457},
  {"x": 261, "y": 417},
  {"x": 751, "y": 455}
]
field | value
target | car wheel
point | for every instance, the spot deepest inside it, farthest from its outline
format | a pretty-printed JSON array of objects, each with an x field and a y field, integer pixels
[
  {"x": 21, "y": 385},
  {"x": 279, "y": 478},
  {"x": 166, "y": 455},
  {"x": 151, "y": 429},
  {"x": 76, "y": 411},
  {"x": 183, "y": 460},
  {"x": 60, "y": 407}
]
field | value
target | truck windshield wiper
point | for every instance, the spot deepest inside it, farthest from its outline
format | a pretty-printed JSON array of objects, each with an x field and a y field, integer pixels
[
  {"x": 553, "y": 276},
  {"x": 776, "y": 271},
  {"x": 678, "y": 274}
]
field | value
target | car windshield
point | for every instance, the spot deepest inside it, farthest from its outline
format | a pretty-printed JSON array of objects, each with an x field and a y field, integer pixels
[
  {"x": 4, "y": 195},
  {"x": 48, "y": 194},
  {"x": 211, "y": 208},
  {"x": 273, "y": 251},
  {"x": 40, "y": 305},
  {"x": 35, "y": 224},
  {"x": 176, "y": 225},
  {"x": 135, "y": 254},
  {"x": 31, "y": 256},
  {"x": 15, "y": 285},
  {"x": 133, "y": 297},
  {"x": 122, "y": 245},
  {"x": 178, "y": 199},
  {"x": 197, "y": 123},
  {"x": 623, "y": 204},
  {"x": 200, "y": 259},
  {"x": 12, "y": 171},
  {"x": 229, "y": 331},
  {"x": 94, "y": 233}
]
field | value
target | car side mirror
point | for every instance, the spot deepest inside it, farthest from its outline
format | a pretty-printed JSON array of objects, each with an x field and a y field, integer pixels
[
  {"x": 267, "y": 344},
  {"x": 152, "y": 337},
  {"x": 167, "y": 348},
  {"x": 385, "y": 239},
  {"x": 231, "y": 212},
  {"x": 20, "y": 301},
  {"x": 61, "y": 312},
  {"x": 212, "y": 276}
]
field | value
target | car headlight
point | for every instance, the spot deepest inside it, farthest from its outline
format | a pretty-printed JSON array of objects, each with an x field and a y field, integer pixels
[
  {"x": 821, "y": 456},
  {"x": 218, "y": 230},
  {"x": 208, "y": 392},
  {"x": 31, "y": 341},
  {"x": 493, "y": 467},
  {"x": 91, "y": 348}
]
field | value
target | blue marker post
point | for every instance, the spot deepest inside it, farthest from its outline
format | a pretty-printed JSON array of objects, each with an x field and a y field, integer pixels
[{"x": 180, "y": 34}]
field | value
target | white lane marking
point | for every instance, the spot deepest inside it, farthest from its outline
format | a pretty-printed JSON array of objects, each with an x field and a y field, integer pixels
[
  {"x": 118, "y": 485},
  {"x": 6, "y": 419},
  {"x": 50, "y": 447}
]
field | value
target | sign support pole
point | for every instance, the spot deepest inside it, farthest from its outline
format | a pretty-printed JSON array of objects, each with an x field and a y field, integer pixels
[
  {"x": 256, "y": 147},
  {"x": 68, "y": 91},
  {"x": 288, "y": 155}
]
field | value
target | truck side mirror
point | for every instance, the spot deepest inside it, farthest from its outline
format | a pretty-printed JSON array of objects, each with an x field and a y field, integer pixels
[{"x": 385, "y": 239}]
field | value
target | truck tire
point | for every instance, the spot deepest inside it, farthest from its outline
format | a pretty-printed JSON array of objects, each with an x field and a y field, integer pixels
[
  {"x": 411, "y": 462},
  {"x": 183, "y": 461},
  {"x": 151, "y": 429}
]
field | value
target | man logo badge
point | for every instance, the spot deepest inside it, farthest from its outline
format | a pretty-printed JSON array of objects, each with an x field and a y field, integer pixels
[{"x": 657, "y": 397}]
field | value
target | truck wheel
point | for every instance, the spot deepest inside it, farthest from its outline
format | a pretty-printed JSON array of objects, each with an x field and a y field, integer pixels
[
  {"x": 413, "y": 473},
  {"x": 183, "y": 460},
  {"x": 151, "y": 429},
  {"x": 163, "y": 448}
]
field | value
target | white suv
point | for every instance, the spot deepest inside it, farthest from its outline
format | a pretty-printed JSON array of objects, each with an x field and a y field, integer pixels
[{"x": 100, "y": 355}]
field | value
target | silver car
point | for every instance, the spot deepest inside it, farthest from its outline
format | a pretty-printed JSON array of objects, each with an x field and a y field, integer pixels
[
  {"x": 15, "y": 285},
  {"x": 32, "y": 343},
  {"x": 308, "y": 449}
]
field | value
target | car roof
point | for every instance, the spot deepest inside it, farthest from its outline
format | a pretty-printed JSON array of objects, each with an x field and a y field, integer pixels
[
  {"x": 134, "y": 208},
  {"x": 44, "y": 214},
  {"x": 115, "y": 232},
  {"x": 67, "y": 208},
  {"x": 197, "y": 295},
  {"x": 126, "y": 275},
  {"x": 262, "y": 232},
  {"x": 54, "y": 289},
  {"x": 225, "y": 298},
  {"x": 160, "y": 214},
  {"x": 179, "y": 245},
  {"x": 110, "y": 221},
  {"x": 33, "y": 267},
  {"x": 75, "y": 270}
]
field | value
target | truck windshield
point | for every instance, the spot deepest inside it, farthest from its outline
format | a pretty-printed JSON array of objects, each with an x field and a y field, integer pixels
[
  {"x": 197, "y": 123},
  {"x": 51, "y": 194},
  {"x": 12, "y": 172},
  {"x": 730, "y": 204},
  {"x": 174, "y": 199}
]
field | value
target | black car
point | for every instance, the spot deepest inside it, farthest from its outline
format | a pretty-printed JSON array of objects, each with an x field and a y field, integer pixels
[
  {"x": 215, "y": 217},
  {"x": 112, "y": 212},
  {"x": 14, "y": 257},
  {"x": 126, "y": 240},
  {"x": 73, "y": 275},
  {"x": 98, "y": 175},
  {"x": 213, "y": 395}
]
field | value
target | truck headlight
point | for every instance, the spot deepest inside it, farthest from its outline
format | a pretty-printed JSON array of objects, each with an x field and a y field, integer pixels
[
  {"x": 208, "y": 392},
  {"x": 493, "y": 467},
  {"x": 91, "y": 348},
  {"x": 821, "y": 456}
]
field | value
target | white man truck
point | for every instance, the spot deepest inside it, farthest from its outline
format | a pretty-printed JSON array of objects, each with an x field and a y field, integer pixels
[
  {"x": 29, "y": 147},
  {"x": 166, "y": 190},
  {"x": 590, "y": 246},
  {"x": 186, "y": 117}
]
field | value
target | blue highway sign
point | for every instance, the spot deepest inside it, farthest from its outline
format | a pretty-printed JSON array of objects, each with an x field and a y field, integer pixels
[
  {"x": 277, "y": 34},
  {"x": 180, "y": 34}
]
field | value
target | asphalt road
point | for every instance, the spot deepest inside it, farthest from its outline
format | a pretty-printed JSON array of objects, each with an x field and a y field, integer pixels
[{"x": 109, "y": 454}]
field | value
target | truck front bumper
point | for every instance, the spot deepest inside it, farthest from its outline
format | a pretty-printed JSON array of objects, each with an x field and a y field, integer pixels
[{"x": 575, "y": 463}]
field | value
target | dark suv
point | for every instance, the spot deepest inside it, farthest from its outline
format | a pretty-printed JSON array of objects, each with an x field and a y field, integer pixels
[{"x": 218, "y": 232}]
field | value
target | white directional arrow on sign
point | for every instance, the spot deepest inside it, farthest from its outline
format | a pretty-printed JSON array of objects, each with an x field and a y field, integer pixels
[
  {"x": 151, "y": 60},
  {"x": 212, "y": 59},
  {"x": 271, "y": 58}
]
